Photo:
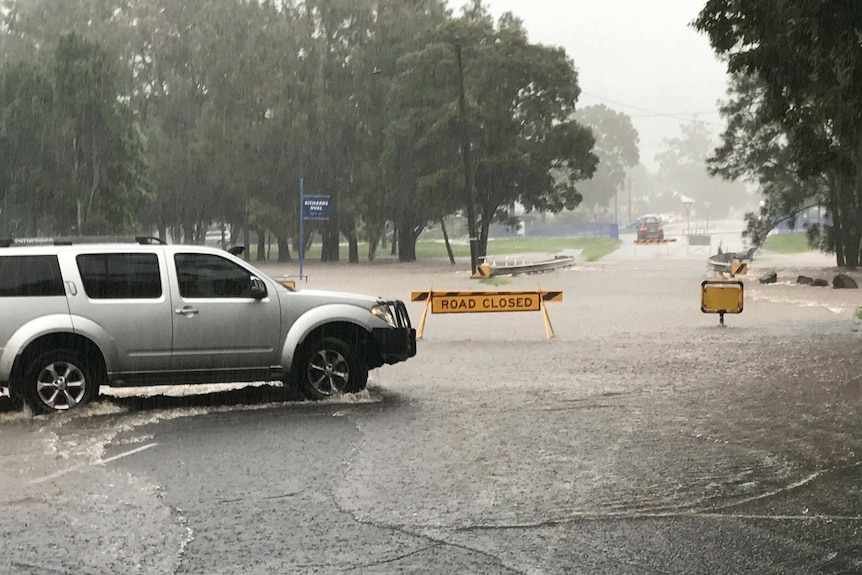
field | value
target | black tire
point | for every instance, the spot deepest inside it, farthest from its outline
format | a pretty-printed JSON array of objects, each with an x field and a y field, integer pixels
[
  {"x": 330, "y": 367},
  {"x": 58, "y": 380}
]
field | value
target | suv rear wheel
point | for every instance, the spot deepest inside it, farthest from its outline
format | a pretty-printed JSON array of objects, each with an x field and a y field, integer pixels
[
  {"x": 329, "y": 366},
  {"x": 58, "y": 380}
]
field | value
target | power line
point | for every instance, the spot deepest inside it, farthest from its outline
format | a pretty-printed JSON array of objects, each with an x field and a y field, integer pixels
[{"x": 653, "y": 113}]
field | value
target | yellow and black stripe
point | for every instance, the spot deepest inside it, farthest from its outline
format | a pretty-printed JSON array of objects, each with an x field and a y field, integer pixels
[{"x": 665, "y": 241}]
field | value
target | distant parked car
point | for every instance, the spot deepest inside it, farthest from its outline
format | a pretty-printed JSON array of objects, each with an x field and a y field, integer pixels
[{"x": 650, "y": 228}]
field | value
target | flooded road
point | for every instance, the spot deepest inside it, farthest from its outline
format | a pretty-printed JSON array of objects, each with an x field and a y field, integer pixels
[{"x": 642, "y": 439}]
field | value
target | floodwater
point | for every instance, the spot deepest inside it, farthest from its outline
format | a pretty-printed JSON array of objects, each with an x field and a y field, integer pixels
[{"x": 643, "y": 438}]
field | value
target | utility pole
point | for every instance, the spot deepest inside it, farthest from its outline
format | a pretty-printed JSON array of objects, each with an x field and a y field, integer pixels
[
  {"x": 468, "y": 171},
  {"x": 629, "y": 186}
]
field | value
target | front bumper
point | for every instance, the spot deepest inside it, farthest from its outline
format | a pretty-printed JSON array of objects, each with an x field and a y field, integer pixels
[{"x": 396, "y": 343}]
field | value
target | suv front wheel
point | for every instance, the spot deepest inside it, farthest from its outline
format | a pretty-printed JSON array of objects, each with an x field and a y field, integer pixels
[
  {"x": 329, "y": 366},
  {"x": 58, "y": 380}
]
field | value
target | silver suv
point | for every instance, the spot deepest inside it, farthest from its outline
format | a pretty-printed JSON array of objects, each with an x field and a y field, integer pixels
[{"x": 77, "y": 315}]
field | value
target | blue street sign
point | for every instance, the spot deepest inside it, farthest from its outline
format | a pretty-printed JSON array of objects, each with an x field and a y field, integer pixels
[{"x": 315, "y": 208}]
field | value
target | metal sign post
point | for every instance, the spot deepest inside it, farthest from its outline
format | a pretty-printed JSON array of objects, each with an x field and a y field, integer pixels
[
  {"x": 688, "y": 206},
  {"x": 301, "y": 227}
]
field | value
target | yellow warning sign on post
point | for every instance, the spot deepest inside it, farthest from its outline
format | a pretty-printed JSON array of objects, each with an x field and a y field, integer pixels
[{"x": 721, "y": 297}]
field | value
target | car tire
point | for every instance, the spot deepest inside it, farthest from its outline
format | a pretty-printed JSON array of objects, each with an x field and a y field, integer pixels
[
  {"x": 330, "y": 367},
  {"x": 58, "y": 380}
]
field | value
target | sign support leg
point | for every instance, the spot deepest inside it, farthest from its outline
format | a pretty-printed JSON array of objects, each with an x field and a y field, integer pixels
[
  {"x": 421, "y": 329},
  {"x": 549, "y": 329}
]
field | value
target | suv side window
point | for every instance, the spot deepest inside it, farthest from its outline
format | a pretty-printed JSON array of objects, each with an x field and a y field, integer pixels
[
  {"x": 120, "y": 276},
  {"x": 30, "y": 276},
  {"x": 209, "y": 276}
]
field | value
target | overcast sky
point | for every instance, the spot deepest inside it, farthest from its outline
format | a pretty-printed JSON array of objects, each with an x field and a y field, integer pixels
[{"x": 638, "y": 57}]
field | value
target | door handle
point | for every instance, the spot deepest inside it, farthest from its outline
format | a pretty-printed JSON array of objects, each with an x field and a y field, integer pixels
[{"x": 187, "y": 311}]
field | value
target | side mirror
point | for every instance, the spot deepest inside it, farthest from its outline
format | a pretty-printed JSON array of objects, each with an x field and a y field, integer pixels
[{"x": 258, "y": 288}]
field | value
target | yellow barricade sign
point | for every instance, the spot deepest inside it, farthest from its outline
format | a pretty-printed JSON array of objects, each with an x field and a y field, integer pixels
[{"x": 485, "y": 302}]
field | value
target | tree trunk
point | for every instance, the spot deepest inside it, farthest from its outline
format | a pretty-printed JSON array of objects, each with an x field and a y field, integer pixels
[
  {"x": 349, "y": 231},
  {"x": 842, "y": 224},
  {"x": 372, "y": 247},
  {"x": 484, "y": 227},
  {"x": 353, "y": 250},
  {"x": 261, "y": 245},
  {"x": 446, "y": 240},
  {"x": 245, "y": 241},
  {"x": 283, "y": 250},
  {"x": 406, "y": 244},
  {"x": 395, "y": 240}
]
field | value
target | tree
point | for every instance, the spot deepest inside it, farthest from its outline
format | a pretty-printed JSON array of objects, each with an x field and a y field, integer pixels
[
  {"x": 756, "y": 149},
  {"x": 810, "y": 66},
  {"x": 28, "y": 172},
  {"x": 75, "y": 152},
  {"x": 100, "y": 147},
  {"x": 616, "y": 148},
  {"x": 683, "y": 170},
  {"x": 520, "y": 104},
  {"x": 398, "y": 28}
]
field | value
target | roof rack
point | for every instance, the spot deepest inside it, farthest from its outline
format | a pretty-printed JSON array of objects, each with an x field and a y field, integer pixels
[{"x": 68, "y": 241}]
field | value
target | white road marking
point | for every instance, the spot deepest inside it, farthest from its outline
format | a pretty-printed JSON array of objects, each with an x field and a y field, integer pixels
[
  {"x": 79, "y": 466},
  {"x": 130, "y": 452}
]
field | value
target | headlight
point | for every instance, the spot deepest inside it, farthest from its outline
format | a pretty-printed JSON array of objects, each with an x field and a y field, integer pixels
[{"x": 384, "y": 313}]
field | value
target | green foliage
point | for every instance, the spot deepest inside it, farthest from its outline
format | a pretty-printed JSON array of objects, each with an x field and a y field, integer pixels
[
  {"x": 495, "y": 281},
  {"x": 28, "y": 172},
  {"x": 593, "y": 249},
  {"x": 177, "y": 115},
  {"x": 616, "y": 148},
  {"x": 520, "y": 99},
  {"x": 797, "y": 105},
  {"x": 74, "y": 159},
  {"x": 789, "y": 243}
]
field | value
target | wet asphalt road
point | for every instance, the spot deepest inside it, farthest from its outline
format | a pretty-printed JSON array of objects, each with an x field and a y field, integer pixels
[{"x": 643, "y": 439}]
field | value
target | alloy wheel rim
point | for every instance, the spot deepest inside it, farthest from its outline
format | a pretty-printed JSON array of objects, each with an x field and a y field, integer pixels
[
  {"x": 61, "y": 385},
  {"x": 328, "y": 372}
]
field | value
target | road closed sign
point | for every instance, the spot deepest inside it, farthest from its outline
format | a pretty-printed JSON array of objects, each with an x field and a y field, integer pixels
[
  {"x": 477, "y": 302},
  {"x": 486, "y": 302}
]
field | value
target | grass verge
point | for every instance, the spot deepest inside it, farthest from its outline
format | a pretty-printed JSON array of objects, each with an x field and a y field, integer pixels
[
  {"x": 495, "y": 281},
  {"x": 593, "y": 248},
  {"x": 791, "y": 243}
]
